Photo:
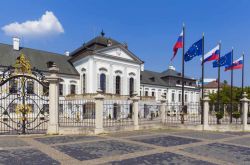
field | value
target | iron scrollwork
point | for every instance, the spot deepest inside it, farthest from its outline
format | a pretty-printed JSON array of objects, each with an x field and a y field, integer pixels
[{"x": 23, "y": 108}]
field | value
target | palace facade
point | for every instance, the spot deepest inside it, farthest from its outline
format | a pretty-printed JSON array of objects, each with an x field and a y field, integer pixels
[{"x": 106, "y": 64}]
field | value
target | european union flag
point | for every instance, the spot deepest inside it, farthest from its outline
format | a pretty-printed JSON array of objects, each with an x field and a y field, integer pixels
[
  {"x": 194, "y": 50},
  {"x": 224, "y": 60}
]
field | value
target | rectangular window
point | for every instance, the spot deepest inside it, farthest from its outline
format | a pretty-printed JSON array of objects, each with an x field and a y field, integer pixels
[
  {"x": 83, "y": 83},
  {"x": 153, "y": 93},
  {"x": 12, "y": 108},
  {"x": 72, "y": 89},
  {"x": 46, "y": 108},
  {"x": 179, "y": 97},
  {"x": 60, "y": 108},
  {"x": 186, "y": 98},
  {"x": 46, "y": 90},
  {"x": 30, "y": 87},
  {"x": 146, "y": 93},
  {"x": 61, "y": 89},
  {"x": 13, "y": 86},
  {"x": 173, "y": 100}
]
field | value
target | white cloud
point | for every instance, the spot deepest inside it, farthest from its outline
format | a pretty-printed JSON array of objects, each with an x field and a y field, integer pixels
[{"x": 47, "y": 25}]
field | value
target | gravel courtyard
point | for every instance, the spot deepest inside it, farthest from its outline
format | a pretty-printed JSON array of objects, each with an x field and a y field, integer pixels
[{"x": 138, "y": 147}]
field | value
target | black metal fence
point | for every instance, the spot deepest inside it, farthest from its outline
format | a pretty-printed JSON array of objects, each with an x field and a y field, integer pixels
[
  {"x": 225, "y": 113},
  {"x": 77, "y": 113},
  {"x": 117, "y": 113},
  {"x": 190, "y": 113},
  {"x": 149, "y": 113}
]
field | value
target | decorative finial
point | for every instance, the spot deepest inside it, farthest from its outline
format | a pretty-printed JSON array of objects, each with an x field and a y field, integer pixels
[
  {"x": 244, "y": 95},
  {"x": 102, "y": 33}
]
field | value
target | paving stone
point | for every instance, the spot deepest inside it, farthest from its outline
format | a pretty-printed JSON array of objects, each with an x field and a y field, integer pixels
[
  {"x": 93, "y": 150},
  {"x": 165, "y": 141},
  {"x": 237, "y": 133},
  {"x": 242, "y": 141},
  {"x": 230, "y": 153},
  {"x": 66, "y": 139},
  {"x": 129, "y": 134},
  {"x": 11, "y": 142},
  {"x": 204, "y": 135},
  {"x": 24, "y": 157},
  {"x": 166, "y": 158}
]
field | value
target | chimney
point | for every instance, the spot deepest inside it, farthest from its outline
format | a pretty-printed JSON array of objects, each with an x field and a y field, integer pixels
[
  {"x": 16, "y": 43},
  {"x": 67, "y": 53}
]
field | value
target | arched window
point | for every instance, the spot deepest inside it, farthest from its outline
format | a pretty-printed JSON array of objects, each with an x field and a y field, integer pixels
[
  {"x": 72, "y": 89},
  {"x": 83, "y": 83},
  {"x": 103, "y": 82},
  {"x": 118, "y": 85},
  {"x": 131, "y": 86}
]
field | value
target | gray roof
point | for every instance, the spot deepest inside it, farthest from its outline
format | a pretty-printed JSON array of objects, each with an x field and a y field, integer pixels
[
  {"x": 37, "y": 58},
  {"x": 173, "y": 73},
  {"x": 157, "y": 78},
  {"x": 97, "y": 45}
]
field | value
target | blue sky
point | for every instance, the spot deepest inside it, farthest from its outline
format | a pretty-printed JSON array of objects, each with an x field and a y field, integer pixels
[{"x": 149, "y": 27}]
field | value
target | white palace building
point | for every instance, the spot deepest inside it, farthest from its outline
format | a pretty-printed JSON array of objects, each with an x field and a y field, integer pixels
[{"x": 106, "y": 64}]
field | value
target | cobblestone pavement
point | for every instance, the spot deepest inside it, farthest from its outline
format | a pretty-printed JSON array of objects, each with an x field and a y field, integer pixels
[{"x": 128, "y": 148}]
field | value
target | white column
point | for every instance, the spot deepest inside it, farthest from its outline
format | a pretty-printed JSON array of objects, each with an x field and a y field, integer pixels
[
  {"x": 90, "y": 76},
  {"x": 135, "y": 115},
  {"x": 163, "y": 109},
  {"x": 111, "y": 90},
  {"x": 99, "y": 108},
  {"x": 205, "y": 110},
  {"x": 244, "y": 102},
  {"x": 53, "y": 80},
  {"x": 125, "y": 82}
]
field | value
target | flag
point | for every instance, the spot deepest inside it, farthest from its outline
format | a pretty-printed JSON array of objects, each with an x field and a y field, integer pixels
[
  {"x": 212, "y": 54},
  {"x": 178, "y": 44},
  {"x": 194, "y": 50},
  {"x": 237, "y": 64},
  {"x": 224, "y": 60}
]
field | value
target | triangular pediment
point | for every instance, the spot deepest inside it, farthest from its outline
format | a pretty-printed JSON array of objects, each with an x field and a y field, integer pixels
[{"x": 119, "y": 52}]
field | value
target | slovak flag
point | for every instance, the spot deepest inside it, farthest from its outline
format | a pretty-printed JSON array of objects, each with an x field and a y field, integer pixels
[
  {"x": 212, "y": 54},
  {"x": 237, "y": 64},
  {"x": 178, "y": 44}
]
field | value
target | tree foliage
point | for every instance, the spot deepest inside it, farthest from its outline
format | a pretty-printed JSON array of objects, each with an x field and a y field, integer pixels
[{"x": 225, "y": 94}]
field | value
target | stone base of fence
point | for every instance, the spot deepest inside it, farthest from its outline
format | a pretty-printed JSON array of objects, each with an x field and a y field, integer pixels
[
  {"x": 76, "y": 131},
  {"x": 219, "y": 128},
  {"x": 92, "y": 131}
]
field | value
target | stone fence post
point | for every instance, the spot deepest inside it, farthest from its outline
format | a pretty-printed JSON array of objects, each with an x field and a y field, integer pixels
[
  {"x": 53, "y": 80},
  {"x": 99, "y": 108},
  {"x": 205, "y": 110},
  {"x": 163, "y": 110},
  {"x": 135, "y": 115},
  {"x": 244, "y": 102}
]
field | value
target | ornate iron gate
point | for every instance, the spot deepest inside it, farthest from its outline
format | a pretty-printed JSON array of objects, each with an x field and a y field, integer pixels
[{"x": 24, "y": 107}]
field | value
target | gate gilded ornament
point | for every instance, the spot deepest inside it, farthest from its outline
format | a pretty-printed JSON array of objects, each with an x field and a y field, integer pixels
[{"x": 24, "y": 107}]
